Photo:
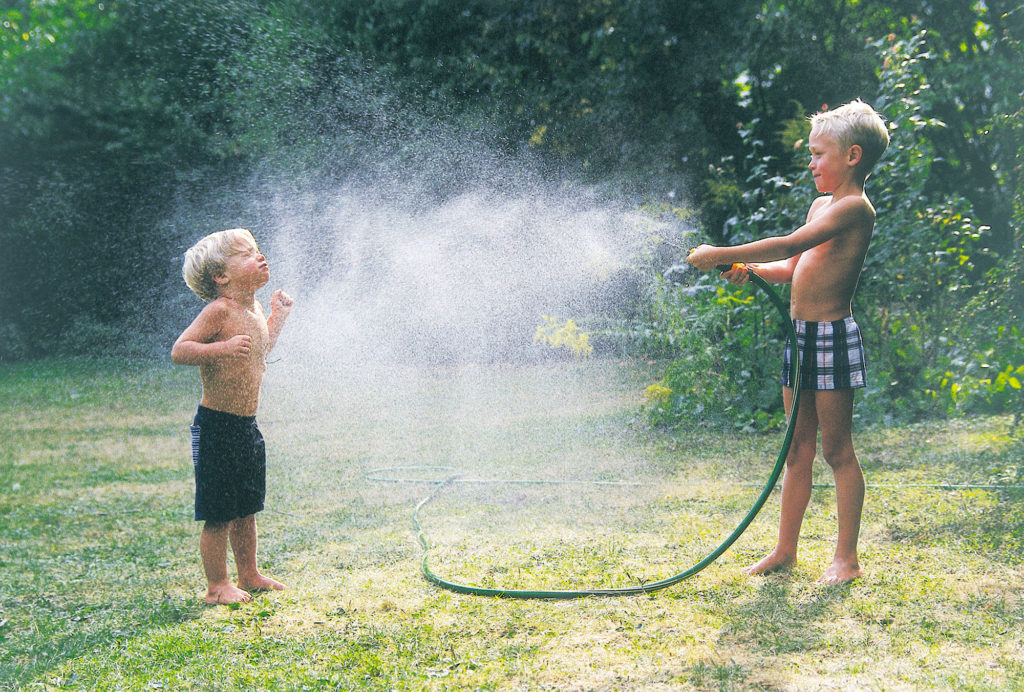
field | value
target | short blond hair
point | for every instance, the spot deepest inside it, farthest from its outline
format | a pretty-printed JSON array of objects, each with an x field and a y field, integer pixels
[
  {"x": 209, "y": 257},
  {"x": 855, "y": 123}
]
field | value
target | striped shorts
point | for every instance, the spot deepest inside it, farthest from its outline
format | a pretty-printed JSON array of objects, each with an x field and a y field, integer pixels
[{"x": 831, "y": 355}]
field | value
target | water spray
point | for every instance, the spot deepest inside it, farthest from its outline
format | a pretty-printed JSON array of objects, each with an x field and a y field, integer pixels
[{"x": 645, "y": 588}]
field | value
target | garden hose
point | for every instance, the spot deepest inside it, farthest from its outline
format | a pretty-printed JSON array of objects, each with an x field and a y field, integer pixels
[{"x": 645, "y": 588}]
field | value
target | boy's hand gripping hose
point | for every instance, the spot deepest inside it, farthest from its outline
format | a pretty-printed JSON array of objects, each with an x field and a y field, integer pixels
[{"x": 780, "y": 462}]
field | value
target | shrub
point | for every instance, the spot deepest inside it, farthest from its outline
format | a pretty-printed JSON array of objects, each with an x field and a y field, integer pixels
[{"x": 727, "y": 350}]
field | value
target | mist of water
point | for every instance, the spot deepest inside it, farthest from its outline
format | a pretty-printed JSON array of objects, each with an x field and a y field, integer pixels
[
  {"x": 414, "y": 277},
  {"x": 406, "y": 277}
]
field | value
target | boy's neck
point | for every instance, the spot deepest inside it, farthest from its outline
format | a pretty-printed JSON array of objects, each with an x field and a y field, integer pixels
[
  {"x": 244, "y": 299},
  {"x": 851, "y": 187}
]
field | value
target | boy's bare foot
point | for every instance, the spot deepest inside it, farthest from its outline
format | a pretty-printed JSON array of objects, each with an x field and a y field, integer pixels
[
  {"x": 840, "y": 573},
  {"x": 223, "y": 594},
  {"x": 773, "y": 562},
  {"x": 261, "y": 583}
]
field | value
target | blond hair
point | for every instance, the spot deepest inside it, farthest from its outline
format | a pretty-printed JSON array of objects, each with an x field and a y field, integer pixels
[
  {"x": 209, "y": 257},
  {"x": 855, "y": 123}
]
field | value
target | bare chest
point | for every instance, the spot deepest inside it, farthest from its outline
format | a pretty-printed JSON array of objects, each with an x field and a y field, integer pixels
[{"x": 251, "y": 323}]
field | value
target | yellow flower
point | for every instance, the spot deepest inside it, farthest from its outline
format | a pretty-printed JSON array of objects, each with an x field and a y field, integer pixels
[
  {"x": 657, "y": 394},
  {"x": 568, "y": 335}
]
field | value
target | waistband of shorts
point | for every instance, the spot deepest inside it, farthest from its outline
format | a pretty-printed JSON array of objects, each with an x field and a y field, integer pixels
[
  {"x": 223, "y": 416},
  {"x": 803, "y": 325}
]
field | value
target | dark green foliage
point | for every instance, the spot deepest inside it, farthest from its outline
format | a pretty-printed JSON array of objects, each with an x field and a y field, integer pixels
[
  {"x": 104, "y": 128},
  {"x": 940, "y": 260},
  {"x": 726, "y": 371},
  {"x": 589, "y": 80}
]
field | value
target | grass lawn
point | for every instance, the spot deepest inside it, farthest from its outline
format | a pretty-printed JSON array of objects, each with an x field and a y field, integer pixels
[{"x": 100, "y": 583}]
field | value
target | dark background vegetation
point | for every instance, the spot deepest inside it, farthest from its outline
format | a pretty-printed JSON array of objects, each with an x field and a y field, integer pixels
[{"x": 117, "y": 116}]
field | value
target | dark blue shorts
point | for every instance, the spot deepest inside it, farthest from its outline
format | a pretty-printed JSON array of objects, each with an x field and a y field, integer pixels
[{"x": 230, "y": 462}]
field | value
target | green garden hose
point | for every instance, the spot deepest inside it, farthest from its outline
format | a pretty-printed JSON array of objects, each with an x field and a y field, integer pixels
[{"x": 773, "y": 478}]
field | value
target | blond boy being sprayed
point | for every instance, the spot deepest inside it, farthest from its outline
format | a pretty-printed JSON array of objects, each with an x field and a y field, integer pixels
[{"x": 229, "y": 341}]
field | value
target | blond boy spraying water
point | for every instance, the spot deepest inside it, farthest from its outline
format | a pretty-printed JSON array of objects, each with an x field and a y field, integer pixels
[
  {"x": 822, "y": 260},
  {"x": 229, "y": 341}
]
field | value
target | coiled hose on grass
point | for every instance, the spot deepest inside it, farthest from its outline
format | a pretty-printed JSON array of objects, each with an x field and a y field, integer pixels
[{"x": 769, "y": 485}]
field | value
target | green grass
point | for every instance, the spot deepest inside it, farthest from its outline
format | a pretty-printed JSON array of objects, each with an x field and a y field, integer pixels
[{"x": 100, "y": 581}]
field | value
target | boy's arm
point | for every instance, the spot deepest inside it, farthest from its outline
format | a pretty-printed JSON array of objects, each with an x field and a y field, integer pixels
[
  {"x": 280, "y": 305},
  {"x": 198, "y": 343},
  {"x": 779, "y": 272},
  {"x": 845, "y": 213}
]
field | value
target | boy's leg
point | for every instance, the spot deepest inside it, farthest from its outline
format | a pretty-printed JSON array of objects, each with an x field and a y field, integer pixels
[
  {"x": 835, "y": 412},
  {"x": 796, "y": 484},
  {"x": 243, "y": 544},
  {"x": 213, "y": 547}
]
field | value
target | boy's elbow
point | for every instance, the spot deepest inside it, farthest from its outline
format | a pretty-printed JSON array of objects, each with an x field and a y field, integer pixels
[{"x": 181, "y": 355}]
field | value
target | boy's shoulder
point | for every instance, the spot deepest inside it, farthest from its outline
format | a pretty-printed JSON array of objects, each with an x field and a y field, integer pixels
[
  {"x": 220, "y": 305},
  {"x": 222, "y": 310},
  {"x": 852, "y": 207},
  {"x": 218, "y": 310},
  {"x": 818, "y": 202}
]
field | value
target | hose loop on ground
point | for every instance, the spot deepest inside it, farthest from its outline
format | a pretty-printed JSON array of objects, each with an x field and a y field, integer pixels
[{"x": 648, "y": 587}]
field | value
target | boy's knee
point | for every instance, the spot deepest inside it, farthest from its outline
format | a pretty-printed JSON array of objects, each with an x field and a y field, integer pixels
[
  {"x": 803, "y": 449},
  {"x": 839, "y": 455}
]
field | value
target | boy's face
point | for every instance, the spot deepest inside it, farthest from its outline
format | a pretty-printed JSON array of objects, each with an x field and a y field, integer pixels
[
  {"x": 247, "y": 268},
  {"x": 828, "y": 162}
]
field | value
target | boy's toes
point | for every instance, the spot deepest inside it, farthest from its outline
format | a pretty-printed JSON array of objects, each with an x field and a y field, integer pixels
[
  {"x": 226, "y": 595},
  {"x": 262, "y": 583},
  {"x": 840, "y": 574}
]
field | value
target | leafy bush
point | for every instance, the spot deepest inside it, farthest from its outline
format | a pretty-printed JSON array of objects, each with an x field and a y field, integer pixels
[
  {"x": 943, "y": 307},
  {"x": 986, "y": 369},
  {"x": 727, "y": 350}
]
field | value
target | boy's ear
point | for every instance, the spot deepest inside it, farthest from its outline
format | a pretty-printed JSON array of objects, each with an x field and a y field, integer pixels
[
  {"x": 854, "y": 154},
  {"x": 221, "y": 279}
]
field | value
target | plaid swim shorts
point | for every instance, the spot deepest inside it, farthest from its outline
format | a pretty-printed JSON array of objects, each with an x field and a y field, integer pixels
[{"x": 831, "y": 355}]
